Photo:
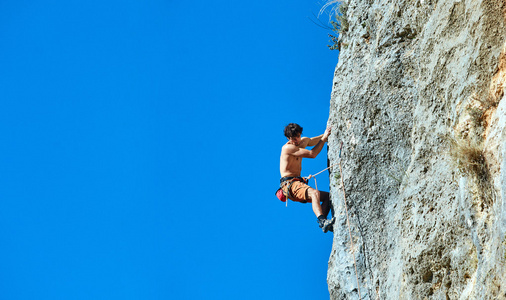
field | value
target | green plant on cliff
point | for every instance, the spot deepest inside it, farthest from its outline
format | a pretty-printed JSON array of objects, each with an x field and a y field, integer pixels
[
  {"x": 337, "y": 176},
  {"x": 338, "y": 20}
]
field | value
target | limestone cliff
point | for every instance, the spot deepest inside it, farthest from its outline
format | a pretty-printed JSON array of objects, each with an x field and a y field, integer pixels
[{"x": 418, "y": 101}]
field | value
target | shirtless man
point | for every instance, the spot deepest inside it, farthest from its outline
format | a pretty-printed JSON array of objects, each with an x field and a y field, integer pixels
[{"x": 293, "y": 185}]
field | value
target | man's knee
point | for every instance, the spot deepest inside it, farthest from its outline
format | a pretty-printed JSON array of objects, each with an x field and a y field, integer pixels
[{"x": 313, "y": 194}]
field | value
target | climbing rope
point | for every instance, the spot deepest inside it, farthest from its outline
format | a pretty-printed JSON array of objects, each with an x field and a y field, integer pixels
[
  {"x": 346, "y": 208},
  {"x": 313, "y": 176}
]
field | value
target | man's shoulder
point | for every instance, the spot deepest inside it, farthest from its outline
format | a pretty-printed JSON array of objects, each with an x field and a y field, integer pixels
[
  {"x": 304, "y": 141},
  {"x": 288, "y": 148}
]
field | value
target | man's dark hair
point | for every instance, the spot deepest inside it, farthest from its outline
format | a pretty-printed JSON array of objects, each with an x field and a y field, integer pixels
[{"x": 292, "y": 130}]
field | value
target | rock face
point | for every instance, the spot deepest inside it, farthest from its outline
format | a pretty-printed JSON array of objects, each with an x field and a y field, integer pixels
[{"x": 418, "y": 102}]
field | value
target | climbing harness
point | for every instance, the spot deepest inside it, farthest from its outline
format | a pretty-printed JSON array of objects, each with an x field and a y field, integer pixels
[{"x": 281, "y": 194}]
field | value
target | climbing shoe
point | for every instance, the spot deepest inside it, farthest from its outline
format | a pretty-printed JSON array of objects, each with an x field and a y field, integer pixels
[{"x": 327, "y": 225}]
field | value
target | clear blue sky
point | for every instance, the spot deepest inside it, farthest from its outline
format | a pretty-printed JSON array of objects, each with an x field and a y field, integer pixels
[{"x": 140, "y": 149}]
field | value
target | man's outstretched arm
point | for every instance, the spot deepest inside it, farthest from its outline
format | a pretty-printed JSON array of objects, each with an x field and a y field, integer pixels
[
  {"x": 314, "y": 140},
  {"x": 301, "y": 152}
]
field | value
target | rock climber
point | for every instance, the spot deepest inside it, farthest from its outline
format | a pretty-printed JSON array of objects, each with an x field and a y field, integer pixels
[{"x": 295, "y": 187}]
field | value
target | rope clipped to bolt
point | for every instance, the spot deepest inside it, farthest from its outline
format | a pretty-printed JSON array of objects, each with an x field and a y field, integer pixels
[{"x": 346, "y": 208}]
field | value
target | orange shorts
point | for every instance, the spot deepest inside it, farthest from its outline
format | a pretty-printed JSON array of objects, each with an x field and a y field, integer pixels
[{"x": 298, "y": 191}]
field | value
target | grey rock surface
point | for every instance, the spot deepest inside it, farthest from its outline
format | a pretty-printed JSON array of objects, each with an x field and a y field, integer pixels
[{"x": 418, "y": 101}]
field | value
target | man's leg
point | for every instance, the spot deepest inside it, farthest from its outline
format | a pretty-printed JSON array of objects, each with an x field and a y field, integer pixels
[
  {"x": 320, "y": 197},
  {"x": 325, "y": 200},
  {"x": 315, "y": 197}
]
